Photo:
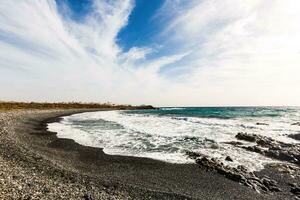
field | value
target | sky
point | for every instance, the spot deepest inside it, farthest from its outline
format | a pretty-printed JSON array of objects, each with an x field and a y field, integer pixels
[{"x": 158, "y": 52}]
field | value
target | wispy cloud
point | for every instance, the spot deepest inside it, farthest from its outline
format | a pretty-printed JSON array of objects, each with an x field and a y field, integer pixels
[
  {"x": 212, "y": 52},
  {"x": 246, "y": 52}
]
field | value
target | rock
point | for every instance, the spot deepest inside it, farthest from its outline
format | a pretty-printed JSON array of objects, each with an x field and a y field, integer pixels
[
  {"x": 275, "y": 189},
  {"x": 285, "y": 155},
  {"x": 261, "y": 124},
  {"x": 242, "y": 168},
  {"x": 246, "y": 137},
  {"x": 193, "y": 154},
  {"x": 285, "y": 168},
  {"x": 275, "y": 147},
  {"x": 272, "y": 154},
  {"x": 206, "y": 162},
  {"x": 271, "y": 148},
  {"x": 194, "y": 139},
  {"x": 222, "y": 171},
  {"x": 267, "y": 182},
  {"x": 239, "y": 174},
  {"x": 296, "y": 124},
  {"x": 263, "y": 142},
  {"x": 235, "y": 176},
  {"x": 260, "y": 140},
  {"x": 234, "y": 143},
  {"x": 254, "y": 149},
  {"x": 295, "y": 136},
  {"x": 214, "y": 146},
  {"x": 228, "y": 158}
]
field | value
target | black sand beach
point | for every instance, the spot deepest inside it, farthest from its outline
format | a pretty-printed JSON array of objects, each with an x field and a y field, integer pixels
[{"x": 35, "y": 164}]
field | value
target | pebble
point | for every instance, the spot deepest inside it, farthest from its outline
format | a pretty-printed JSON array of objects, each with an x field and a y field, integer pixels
[{"x": 30, "y": 177}]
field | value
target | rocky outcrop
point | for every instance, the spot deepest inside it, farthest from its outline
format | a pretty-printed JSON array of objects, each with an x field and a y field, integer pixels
[
  {"x": 271, "y": 148},
  {"x": 295, "y": 136},
  {"x": 246, "y": 137},
  {"x": 296, "y": 124},
  {"x": 239, "y": 174}
]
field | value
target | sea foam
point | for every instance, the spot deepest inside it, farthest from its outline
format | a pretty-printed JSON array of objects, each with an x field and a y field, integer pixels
[{"x": 168, "y": 138}]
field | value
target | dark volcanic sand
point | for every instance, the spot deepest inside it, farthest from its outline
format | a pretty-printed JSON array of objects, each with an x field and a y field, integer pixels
[{"x": 61, "y": 168}]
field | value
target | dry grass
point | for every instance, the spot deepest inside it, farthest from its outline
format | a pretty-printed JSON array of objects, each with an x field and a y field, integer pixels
[{"x": 66, "y": 105}]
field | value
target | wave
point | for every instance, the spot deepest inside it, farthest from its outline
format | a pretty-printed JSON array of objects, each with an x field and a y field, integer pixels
[
  {"x": 173, "y": 108},
  {"x": 167, "y": 137}
]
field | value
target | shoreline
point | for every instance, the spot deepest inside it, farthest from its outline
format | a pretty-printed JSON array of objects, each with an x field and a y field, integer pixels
[{"x": 102, "y": 176}]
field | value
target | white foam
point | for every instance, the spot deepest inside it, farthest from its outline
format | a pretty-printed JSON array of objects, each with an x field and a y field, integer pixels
[{"x": 166, "y": 138}]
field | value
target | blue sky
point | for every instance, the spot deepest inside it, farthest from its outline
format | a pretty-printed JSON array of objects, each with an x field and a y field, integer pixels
[
  {"x": 79, "y": 8},
  {"x": 140, "y": 29},
  {"x": 160, "y": 52}
]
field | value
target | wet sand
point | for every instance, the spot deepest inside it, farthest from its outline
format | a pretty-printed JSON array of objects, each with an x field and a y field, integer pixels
[{"x": 35, "y": 164}]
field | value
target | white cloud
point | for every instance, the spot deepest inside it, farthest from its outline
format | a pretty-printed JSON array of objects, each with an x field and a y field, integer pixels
[
  {"x": 213, "y": 52},
  {"x": 134, "y": 54},
  {"x": 250, "y": 49}
]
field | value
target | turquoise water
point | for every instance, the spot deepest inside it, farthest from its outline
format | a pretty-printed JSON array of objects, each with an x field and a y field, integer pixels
[
  {"x": 168, "y": 133},
  {"x": 220, "y": 112}
]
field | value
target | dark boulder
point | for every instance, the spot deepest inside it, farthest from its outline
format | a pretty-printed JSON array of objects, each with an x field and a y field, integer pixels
[
  {"x": 246, "y": 137},
  {"x": 295, "y": 136},
  {"x": 228, "y": 158}
]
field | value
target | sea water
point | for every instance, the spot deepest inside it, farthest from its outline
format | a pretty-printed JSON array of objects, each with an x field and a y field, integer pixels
[{"x": 168, "y": 133}]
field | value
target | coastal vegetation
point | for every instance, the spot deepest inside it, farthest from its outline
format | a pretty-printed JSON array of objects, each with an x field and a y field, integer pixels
[{"x": 67, "y": 105}]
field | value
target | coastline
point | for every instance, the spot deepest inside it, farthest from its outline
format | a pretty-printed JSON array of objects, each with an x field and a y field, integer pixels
[{"x": 73, "y": 171}]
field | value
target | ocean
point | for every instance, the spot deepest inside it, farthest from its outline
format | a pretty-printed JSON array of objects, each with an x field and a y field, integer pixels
[{"x": 166, "y": 134}]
